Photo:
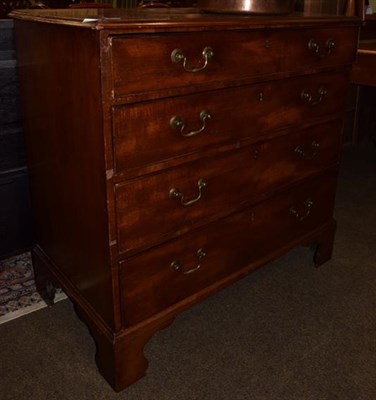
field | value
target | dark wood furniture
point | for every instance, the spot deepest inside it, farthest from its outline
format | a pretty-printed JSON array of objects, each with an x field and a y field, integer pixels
[
  {"x": 363, "y": 75},
  {"x": 173, "y": 153},
  {"x": 365, "y": 66},
  {"x": 16, "y": 232}
]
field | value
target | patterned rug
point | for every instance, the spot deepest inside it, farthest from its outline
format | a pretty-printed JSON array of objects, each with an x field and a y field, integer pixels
[{"x": 18, "y": 295}]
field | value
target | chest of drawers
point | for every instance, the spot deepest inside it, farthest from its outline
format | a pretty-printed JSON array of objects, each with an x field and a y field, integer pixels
[{"x": 172, "y": 153}]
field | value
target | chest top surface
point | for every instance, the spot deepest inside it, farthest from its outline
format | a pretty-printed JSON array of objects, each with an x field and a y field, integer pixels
[{"x": 178, "y": 19}]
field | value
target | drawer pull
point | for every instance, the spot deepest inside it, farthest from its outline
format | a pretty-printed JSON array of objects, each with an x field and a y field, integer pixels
[
  {"x": 177, "y": 194},
  {"x": 302, "y": 216},
  {"x": 314, "y": 47},
  {"x": 177, "y": 56},
  {"x": 177, "y": 122},
  {"x": 314, "y": 101},
  {"x": 311, "y": 153},
  {"x": 178, "y": 266}
]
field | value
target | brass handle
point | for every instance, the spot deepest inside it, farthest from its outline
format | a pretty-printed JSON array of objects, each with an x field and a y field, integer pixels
[
  {"x": 308, "y": 204},
  {"x": 314, "y": 47},
  {"x": 330, "y": 45},
  {"x": 178, "y": 56},
  {"x": 314, "y": 101},
  {"x": 178, "y": 266},
  {"x": 177, "y": 122},
  {"x": 177, "y": 194},
  {"x": 311, "y": 153}
]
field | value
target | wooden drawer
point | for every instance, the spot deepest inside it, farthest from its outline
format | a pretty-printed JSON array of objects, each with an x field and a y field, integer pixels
[
  {"x": 165, "y": 275},
  {"x": 144, "y": 133},
  {"x": 145, "y": 64},
  {"x": 232, "y": 181},
  {"x": 316, "y": 48}
]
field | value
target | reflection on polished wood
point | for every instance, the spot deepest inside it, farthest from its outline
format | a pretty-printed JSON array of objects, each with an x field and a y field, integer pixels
[
  {"x": 90, "y": 5},
  {"x": 315, "y": 7}
]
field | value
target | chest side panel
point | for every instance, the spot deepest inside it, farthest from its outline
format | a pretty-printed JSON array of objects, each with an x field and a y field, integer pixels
[{"x": 61, "y": 86}]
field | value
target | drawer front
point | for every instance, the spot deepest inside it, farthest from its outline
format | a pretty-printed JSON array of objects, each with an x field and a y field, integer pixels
[
  {"x": 165, "y": 275},
  {"x": 156, "y": 131},
  {"x": 147, "y": 63},
  {"x": 154, "y": 62},
  {"x": 321, "y": 47},
  {"x": 202, "y": 191}
]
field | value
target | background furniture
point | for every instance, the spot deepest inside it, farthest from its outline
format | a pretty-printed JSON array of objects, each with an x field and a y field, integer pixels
[
  {"x": 16, "y": 233},
  {"x": 363, "y": 75}
]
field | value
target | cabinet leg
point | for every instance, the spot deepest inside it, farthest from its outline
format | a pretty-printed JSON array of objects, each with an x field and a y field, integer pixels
[
  {"x": 120, "y": 355},
  {"x": 44, "y": 280},
  {"x": 120, "y": 358},
  {"x": 323, "y": 245},
  {"x": 123, "y": 362}
]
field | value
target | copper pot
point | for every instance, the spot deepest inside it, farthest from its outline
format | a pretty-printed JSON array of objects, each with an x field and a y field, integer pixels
[{"x": 248, "y": 6}]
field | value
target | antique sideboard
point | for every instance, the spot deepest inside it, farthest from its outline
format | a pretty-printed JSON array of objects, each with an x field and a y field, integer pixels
[{"x": 171, "y": 153}]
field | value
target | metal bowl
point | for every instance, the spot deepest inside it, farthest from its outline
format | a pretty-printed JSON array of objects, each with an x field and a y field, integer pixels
[{"x": 266, "y": 7}]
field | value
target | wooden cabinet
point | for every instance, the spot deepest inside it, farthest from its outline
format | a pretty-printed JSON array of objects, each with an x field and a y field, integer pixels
[
  {"x": 16, "y": 230},
  {"x": 174, "y": 153}
]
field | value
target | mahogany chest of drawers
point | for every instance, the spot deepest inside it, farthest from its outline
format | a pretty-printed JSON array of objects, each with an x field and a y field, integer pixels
[{"x": 172, "y": 153}]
